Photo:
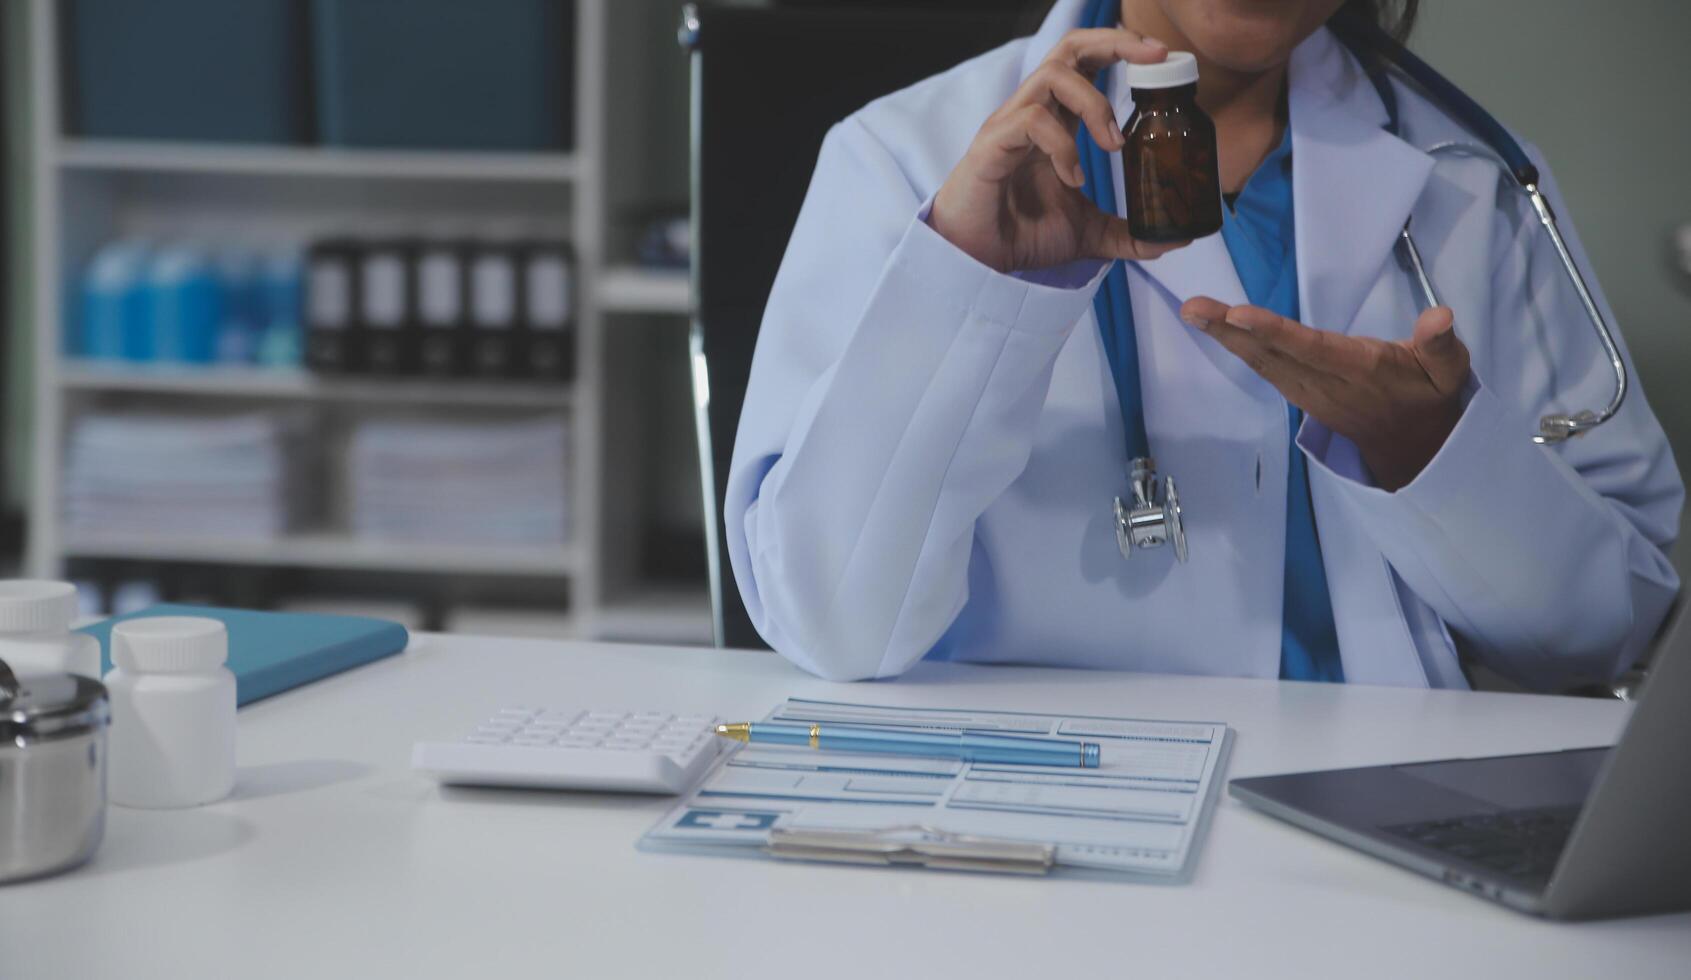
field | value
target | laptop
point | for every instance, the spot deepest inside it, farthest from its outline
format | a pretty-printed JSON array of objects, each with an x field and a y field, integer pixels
[{"x": 1581, "y": 834}]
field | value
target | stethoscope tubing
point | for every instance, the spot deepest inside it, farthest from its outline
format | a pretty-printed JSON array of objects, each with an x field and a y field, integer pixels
[{"x": 1375, "y": 49}]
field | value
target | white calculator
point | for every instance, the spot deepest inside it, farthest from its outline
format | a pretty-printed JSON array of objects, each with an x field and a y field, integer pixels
[{"x": 617, "y": 751}]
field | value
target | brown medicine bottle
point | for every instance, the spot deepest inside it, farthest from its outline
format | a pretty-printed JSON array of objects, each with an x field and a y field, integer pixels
[{"x": 1173, "y": 188}]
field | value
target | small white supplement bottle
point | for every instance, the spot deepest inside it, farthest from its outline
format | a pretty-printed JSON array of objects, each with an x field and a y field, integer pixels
[
  {"x": 172, "y": 741},
  {"x": 35, "y": 636}
]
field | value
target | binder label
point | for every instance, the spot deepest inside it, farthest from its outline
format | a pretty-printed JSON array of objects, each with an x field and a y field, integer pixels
[
  {"x": 439, "y": 300},
  {"x": 329, "y": 295},
  {"x": 493, "y": 299},
  {"x": 384, "y": 291},
  {"x": 548, "y": 294}
]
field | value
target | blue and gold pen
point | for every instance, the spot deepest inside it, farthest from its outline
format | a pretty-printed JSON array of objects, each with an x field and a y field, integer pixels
[{"x": 968, "y": 747}]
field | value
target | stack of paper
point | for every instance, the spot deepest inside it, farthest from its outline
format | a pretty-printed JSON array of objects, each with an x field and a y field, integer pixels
[
  {"x": 230, "y": 476},
  {"x": 446, "y": 481}
]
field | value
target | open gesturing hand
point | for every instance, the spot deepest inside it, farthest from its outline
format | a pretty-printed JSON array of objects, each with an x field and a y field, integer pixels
[{"x": 1397, "y": 401}]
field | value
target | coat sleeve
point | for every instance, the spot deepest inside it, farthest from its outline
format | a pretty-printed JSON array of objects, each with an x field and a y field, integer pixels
[
  {"x": 894, "y": 394},
  {"x": 1549, "y": 562}
]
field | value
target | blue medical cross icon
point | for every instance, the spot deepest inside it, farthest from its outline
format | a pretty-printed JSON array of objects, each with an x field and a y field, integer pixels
[{"x": 720, "y": 820}]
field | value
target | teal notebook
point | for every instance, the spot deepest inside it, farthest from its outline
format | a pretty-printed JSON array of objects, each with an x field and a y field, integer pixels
[{"x": 274, "y": 652}]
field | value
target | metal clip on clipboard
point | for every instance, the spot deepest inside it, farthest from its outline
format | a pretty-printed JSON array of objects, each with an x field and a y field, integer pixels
[{"x": 922, "y": 846}]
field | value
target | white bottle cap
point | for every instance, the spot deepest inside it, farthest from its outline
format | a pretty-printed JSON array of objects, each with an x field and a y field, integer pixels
[
  {"x": 1179, "y": 68},
  {"x": 29, "y": 606},
  {"x": 169, "y": 644}
]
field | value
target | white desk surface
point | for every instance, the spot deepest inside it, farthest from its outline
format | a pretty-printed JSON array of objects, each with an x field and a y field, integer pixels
[{"x": 334, "y": 860}]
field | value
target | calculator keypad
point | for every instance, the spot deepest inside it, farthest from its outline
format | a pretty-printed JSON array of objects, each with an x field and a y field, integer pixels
[
  {"x": 677, "y": 736},
  {"x": 569, "y": 749}
]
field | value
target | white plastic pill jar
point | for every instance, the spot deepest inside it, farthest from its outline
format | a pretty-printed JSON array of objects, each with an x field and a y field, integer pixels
[
  {"x": 172, "y": 741},
  {"x": 35, "y": 635}
]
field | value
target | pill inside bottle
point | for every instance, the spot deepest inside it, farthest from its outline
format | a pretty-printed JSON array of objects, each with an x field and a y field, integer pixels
[{"x": 1173, "y": 187}]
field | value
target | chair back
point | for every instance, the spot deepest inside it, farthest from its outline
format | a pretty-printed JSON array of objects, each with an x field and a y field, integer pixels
[{"x": 767, "y": 83}]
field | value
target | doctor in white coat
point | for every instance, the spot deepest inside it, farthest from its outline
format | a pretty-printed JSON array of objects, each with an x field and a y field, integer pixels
[{"x": 931, "y": 442}]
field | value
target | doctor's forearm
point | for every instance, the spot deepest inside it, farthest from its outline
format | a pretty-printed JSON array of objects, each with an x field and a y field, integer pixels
[{"x": 1542, "y": 574}]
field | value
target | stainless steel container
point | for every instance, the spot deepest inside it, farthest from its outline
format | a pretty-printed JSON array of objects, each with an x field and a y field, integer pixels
[{"x": 52, "y": 772}]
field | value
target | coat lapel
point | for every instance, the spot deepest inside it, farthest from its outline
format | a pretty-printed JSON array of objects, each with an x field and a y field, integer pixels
[{"x": 1353, "y": 183}]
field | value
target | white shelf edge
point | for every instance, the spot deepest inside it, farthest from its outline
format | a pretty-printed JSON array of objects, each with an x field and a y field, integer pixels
[
  {"x": 313, "y": 161},
  {"x": 330, "y": 550},
  {"x": 291, "y": 383},
  {"x": 655, "y": 614},
  {"x": 514, "y": 622},
  {"x": 631, "y": 289}
]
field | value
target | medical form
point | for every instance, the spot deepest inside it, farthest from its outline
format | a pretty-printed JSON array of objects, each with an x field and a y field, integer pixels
[{"x": 1141, "y": 812}]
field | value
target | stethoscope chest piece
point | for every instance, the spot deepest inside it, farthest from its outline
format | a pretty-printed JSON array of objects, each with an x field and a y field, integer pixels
[{"x": 1149, "y": 522}]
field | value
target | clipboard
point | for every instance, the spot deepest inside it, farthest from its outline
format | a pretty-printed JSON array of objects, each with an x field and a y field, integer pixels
[{"x": 1140, "y": 816}]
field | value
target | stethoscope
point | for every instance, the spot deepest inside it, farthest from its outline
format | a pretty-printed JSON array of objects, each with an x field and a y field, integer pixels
[{"x": 1151, "y": 517}]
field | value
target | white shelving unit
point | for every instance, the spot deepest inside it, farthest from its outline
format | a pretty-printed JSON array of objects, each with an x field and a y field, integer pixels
[
  {"x": 337, "y": 551},
  {"x": 635, "y": 290},
  {"x": 291, "y": 384},
  {"x": 91, "y": 190},
  {"x": 311, "y": 161}
]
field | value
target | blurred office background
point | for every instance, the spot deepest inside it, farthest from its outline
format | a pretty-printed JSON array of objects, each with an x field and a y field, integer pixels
[
  {"x": 362, "y": 305},
  {"x": 382, "y": 305}
]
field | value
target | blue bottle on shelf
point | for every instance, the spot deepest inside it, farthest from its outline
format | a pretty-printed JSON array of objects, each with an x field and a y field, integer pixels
[
  {"x": 241, "y": 324},
  {"x": 282, "y": 336},
  {"x": 113, "y": 301},
  {"x": 185, "y": 303}
]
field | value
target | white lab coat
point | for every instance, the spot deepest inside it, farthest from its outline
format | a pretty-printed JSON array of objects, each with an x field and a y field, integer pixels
[{"x": 929, "y": 449}]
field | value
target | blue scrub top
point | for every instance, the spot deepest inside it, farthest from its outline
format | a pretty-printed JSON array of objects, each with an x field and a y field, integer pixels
[{"x": 1258, "y": 232}]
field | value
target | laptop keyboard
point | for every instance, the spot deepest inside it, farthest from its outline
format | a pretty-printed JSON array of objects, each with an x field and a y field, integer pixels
[{"x": 1523, "y": 844}]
